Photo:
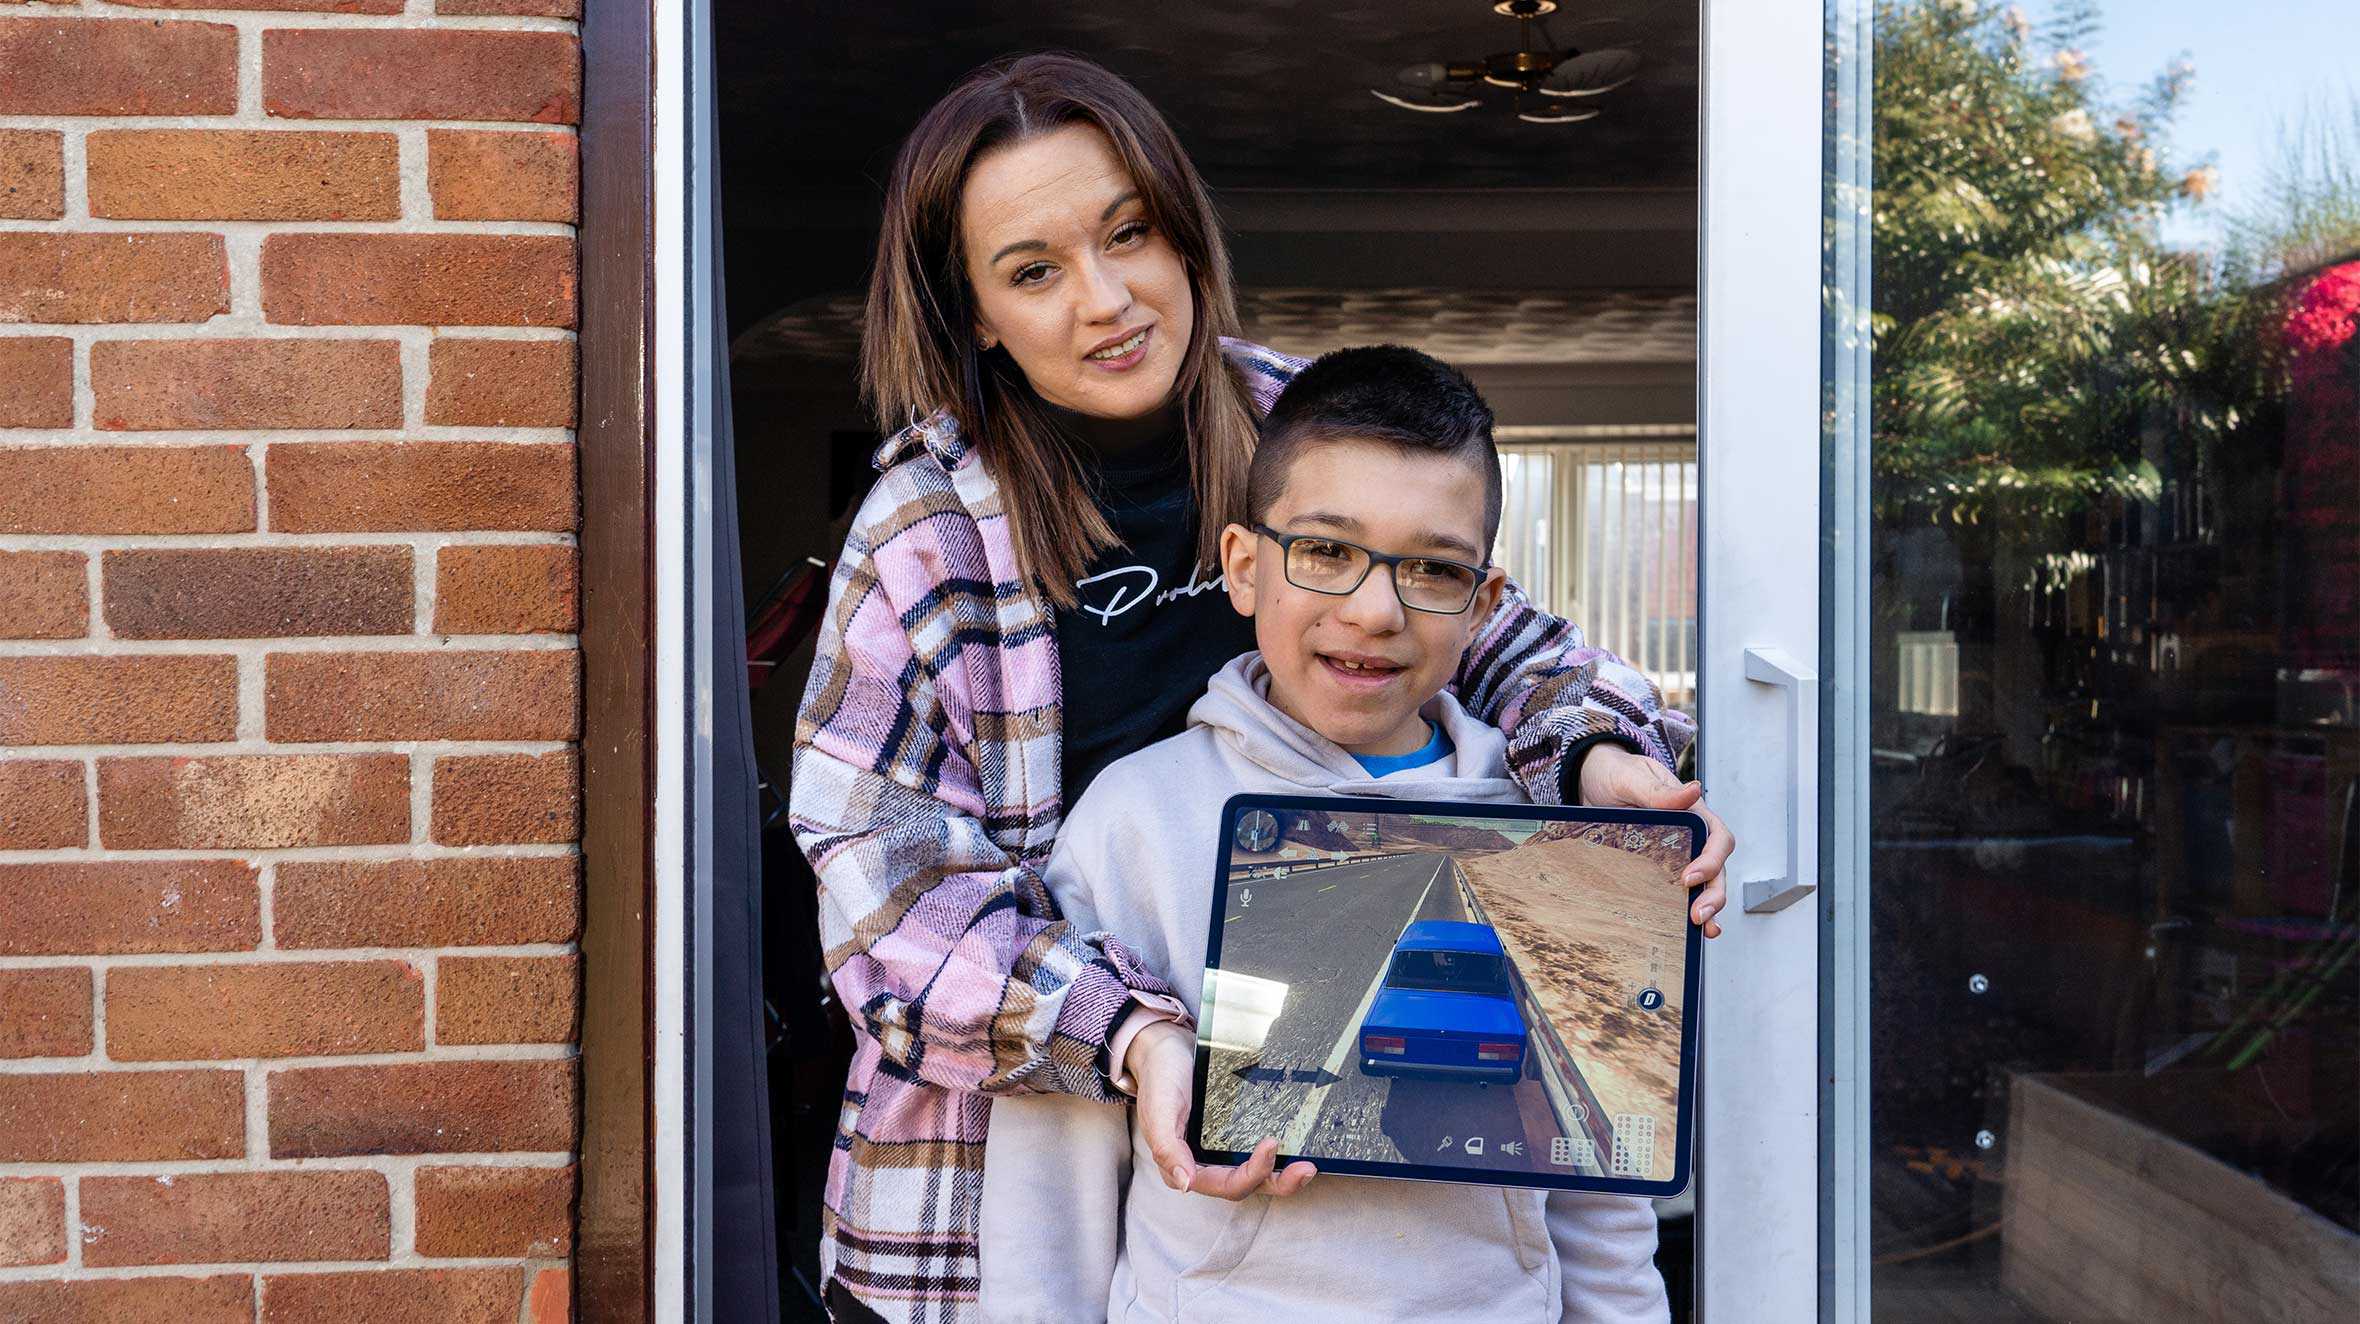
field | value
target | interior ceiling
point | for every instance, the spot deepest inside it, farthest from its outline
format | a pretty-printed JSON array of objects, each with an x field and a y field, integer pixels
[
  {"x": 1465, "y": 327},
  {"x": 1264, "y": 93}
]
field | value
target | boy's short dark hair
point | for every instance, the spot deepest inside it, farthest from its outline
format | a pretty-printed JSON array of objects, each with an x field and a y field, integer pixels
[{"x": 1384, "y": 393}]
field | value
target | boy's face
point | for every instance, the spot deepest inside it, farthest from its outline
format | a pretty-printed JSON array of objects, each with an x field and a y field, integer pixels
[{"x": 1356, "y": 668}]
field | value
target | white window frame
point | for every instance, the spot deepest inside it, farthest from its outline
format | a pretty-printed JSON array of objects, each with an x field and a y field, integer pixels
[{"x": 1573, "y": 452}]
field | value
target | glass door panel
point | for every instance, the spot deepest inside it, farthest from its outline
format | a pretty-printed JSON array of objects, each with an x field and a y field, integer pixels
[{"x": 2110, "y": 624}]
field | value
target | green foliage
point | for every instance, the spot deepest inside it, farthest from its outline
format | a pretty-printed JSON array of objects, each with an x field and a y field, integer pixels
[
  {"x": 2031, "y": 332},
  {"x": 2309, "y": 212}
]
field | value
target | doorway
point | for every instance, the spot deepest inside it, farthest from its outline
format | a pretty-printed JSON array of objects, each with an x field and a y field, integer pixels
[{"x": 1557, "y": 263}]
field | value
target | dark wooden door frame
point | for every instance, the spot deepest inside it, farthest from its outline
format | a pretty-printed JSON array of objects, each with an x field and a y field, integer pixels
[{"x": 612, "y": 1247}]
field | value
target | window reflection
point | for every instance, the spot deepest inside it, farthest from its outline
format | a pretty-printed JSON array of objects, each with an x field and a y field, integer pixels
[{"x": 2115, "y": 709}]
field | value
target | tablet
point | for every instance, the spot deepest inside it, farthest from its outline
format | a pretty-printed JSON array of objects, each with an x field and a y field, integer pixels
[{"x": 1497, "y": 994}]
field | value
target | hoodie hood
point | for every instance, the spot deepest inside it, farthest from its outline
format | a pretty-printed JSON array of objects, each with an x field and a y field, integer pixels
[{"x": 1237, "y": 707}]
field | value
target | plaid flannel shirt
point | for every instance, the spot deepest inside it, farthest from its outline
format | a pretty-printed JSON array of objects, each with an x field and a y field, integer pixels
[{"x": 926, "y": 795}]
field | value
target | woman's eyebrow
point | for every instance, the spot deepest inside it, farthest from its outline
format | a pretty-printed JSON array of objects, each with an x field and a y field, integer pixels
[
  {"x": 1037, "y": 246},
  {"x": 1020, "y": 246}
]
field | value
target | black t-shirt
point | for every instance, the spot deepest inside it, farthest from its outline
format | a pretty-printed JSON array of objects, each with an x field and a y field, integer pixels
[{"x": 1154, "y": 623}]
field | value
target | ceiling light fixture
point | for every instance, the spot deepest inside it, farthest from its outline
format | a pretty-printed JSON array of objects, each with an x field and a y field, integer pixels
[{"x": 1552, "y": 84}]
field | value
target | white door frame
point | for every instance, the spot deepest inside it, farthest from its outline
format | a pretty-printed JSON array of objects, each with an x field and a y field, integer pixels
[
  {"x": 1759, "y": 1163},
  {"x": 683, "y": 666},
  {"x": 1758, "y": 456}
]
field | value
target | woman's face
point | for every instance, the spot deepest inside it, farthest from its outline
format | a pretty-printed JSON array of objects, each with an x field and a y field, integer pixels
[{"x": 1071, "y": 278}]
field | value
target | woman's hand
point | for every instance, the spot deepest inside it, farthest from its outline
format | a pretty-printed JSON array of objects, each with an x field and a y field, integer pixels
[
  {"x": 1612, "y": 775},
  {"x": 1162, "y": 1060}
]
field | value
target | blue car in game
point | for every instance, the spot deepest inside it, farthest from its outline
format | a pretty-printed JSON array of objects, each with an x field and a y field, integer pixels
[{"x": 1445, "y": 1009}]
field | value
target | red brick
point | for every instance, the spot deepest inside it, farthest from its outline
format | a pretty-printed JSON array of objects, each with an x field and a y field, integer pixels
[
  {"x": 495, "y": 1213},
  {"x": 295, "y": 6},
  {"x": 43, "y": 805},
  {"x": 93, "y": 700},
  {"x": 527, "y": 589},
  {"x": 222, "y": 1299},
  {"x": 480, "y": 382},
  {"x": 418, "y": 279},
  {"x": 497, "y": 694},
  {"x": 552, "y": 1298},
  {"x": 52, "y": 277},
  {"x": 258, "y": 592},
  {"x": 518, "y": 8},
  {"x": 86, "y": 66},
  {"x": 506, "y": 1000},
  {"x": 32, "y": 1222},
  {"x": 36, "y": 382},
  {"x": 185, "y": 1013},
  {"x": 443, "y": 1296},
  {"x": 409, "y": 486},
  {"x": 494, "y": 799},
  {"x": 122, "y": 1116},
  {"x": 390, "y": 74},
  {"x": 244, "y": 175},
  {"x": 44, "y": 595},
  {"x": 126, "y": 489},
  {"x": 32, "y": 174},
  {"x": 143, "y": 385},
  {"x": 123, "y": 907},
  {"x": 422, "y": 1108},
  {"x": 515, "y": 175},
  {"x": 242, "y": 801},
  {"x": 465, "y": 902},
  {"x": 235, "y": 1217},
  {"x": 45, "y": 1013}
]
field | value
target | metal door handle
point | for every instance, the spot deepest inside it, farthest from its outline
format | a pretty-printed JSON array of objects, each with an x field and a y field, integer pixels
[{"x": 1772, "y": 666}]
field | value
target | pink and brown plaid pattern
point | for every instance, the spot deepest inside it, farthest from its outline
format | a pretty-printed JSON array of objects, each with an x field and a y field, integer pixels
[{"x": 926, "y": 795}]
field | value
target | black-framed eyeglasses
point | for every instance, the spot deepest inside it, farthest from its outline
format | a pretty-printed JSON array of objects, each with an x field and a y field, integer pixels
[{"x": 1333, "y": 566}]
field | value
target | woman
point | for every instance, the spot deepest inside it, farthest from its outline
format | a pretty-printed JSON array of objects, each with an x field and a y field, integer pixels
[{"x": 1021, "y": 602}]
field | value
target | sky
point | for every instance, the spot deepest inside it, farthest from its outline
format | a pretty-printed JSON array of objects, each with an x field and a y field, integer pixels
[{"x": 2259, "y": 64}]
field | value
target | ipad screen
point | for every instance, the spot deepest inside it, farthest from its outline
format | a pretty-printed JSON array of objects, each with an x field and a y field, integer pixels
[{"x": 1484, "y": 993}]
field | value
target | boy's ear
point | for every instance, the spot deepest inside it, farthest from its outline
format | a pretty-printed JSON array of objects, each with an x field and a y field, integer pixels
[
  {"x": 1239, "y": 546},
  {"x": 1487, "y": 596}
]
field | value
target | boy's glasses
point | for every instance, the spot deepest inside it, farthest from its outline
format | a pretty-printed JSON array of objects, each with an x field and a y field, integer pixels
[{"x": 1334, "y": 566}]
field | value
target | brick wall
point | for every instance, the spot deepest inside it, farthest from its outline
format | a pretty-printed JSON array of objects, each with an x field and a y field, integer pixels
[{"x": 288, "y": 683}]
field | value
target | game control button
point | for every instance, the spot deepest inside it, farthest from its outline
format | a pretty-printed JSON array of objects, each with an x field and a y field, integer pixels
[{"x": 1649, "y": 999}]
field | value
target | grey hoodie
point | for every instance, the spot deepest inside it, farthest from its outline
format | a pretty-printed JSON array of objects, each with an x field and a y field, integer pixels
[{"x": 1068, "y": 1235}]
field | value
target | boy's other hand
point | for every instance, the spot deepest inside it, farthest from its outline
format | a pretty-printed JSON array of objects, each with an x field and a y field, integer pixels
[
  {"x": 1616, "y": 777},
  {"x": 1162, "y": 1060}
]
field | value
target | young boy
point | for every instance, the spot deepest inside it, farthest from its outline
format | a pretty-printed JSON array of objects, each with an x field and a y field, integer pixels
[{"x": 1381, "y": 450}]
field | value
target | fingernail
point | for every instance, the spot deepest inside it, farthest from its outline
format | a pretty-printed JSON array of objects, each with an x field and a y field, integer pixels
[{"x": 1179, "y": 1180}]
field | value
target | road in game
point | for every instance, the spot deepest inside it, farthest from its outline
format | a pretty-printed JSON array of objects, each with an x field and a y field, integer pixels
[{"x": 1328, "y": 933}]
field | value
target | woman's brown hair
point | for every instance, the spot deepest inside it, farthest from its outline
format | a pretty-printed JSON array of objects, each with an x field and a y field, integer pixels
[{"x": 919, "y": 353}]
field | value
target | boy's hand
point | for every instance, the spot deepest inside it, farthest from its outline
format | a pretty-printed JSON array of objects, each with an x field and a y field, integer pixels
[
  {"x": 1162, "y": 1059},
  {"x": 1614, "y": 776}
]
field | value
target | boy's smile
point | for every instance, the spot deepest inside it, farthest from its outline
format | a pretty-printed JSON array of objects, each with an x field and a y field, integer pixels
[{"x": 1356, "y": 667}]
